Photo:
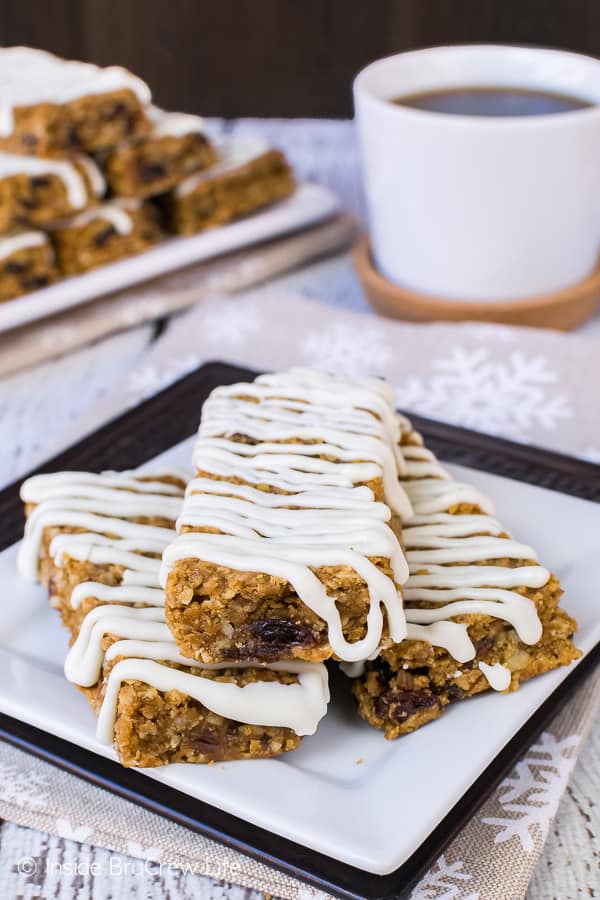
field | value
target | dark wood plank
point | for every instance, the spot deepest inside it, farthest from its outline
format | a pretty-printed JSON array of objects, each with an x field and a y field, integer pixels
[{"x": 280, "y": 57}]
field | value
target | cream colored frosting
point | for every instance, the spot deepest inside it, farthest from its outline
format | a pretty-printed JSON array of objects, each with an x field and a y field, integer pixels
[
  {"x": 174, "y": 124},
  {"x": 29, "y": 76},
  {"x": 15, "y": 242},
  {"x": 498, "y": 676},
  {"x": 327, "y": 519},
  {"x": 436, "y": 541},
  {"x": 117, "y": 212},
  {"x": 233, "y": 153},
  {"x": 74, "y": 182},
  {"x": 144, "y": 647},
  {"x": 100, "y": 504}
]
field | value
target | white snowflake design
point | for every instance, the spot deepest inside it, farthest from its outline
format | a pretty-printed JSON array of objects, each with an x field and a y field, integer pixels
[
  {"x": 502, "y": 334},
  {"x": 66, "y": 829},
  {"x": 152, "y": 854},
  {"x": 25, "y": 789},
  {"x": 470, "y": 389},
  {"x": 530, "y": 794},
  {"x": 347, "y": 349},
  {"x": 233, "y": 323},
  {"x": 444, "y": 881},
  {"x": 152, "y": 377}
]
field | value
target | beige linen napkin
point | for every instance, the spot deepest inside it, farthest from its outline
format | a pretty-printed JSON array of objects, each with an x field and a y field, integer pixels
[
  {"x": 37, "y": 341},
  {"x": 535, "y": 386},
  {"x": 528, "y": 385}
]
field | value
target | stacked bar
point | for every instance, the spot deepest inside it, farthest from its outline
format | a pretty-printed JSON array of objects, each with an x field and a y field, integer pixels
[
  {"x": 177, "y": 146},
  {"x": 97, "y": 173},
  {"x": 55, "y": 107},
  {"x": 96, "y": 542},
  {"x": 53, "y": 115},
  {"x": 248, "y": 176},
  {"x": 481, "y": 611},
  {"x": 287, "y": 548},
  {"x": 105, "y": 233}
]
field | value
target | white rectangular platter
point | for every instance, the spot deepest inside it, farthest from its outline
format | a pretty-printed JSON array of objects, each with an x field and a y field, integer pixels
[
  {"x": 308, "y": 205},
  {"x": 346, "y": 792}
]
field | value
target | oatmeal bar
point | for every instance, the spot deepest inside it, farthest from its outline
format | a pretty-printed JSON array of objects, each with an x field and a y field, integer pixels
[
  {"x": 26, "y": 264},
  {"x": 249, "y": 176},
  {"x": 176, "y": 147},
  {"x": 51, "y": 106},
  {"x": 95, "y": 540},
  {"x": 159, "y": 707},
  {"x": 286, "y": 549},
  {"x": 98, "y": 538},
  {"x": 481, "y": 611},
  {"x": 105, "y": 233},
  {"x": 36, "y": 192}
]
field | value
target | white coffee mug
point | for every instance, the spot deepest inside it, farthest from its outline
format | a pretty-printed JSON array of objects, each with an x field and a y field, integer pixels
[{"x": 481, "y": 207}]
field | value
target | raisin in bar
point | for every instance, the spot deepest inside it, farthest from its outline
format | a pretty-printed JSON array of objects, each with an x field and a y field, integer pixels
[
  {"x": 176, "y": 147},
  {"x": 36, "y": 192},
  {"x": 159, "y": 707},
  {"x": 249, "y": 175},
  {"x": 481, "y": 611},
  {"x": 95, "y": 540},
  {"x": 26, "y": 264},
  {"x": 286, "y": 548},
  {"x": 52, "y": 106},
  {"x": 104, "y": 234}
]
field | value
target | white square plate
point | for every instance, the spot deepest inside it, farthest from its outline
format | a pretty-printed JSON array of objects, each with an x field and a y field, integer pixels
[
  {"x": 372, "y": 814},
  {"x": 309, "y": 204}
]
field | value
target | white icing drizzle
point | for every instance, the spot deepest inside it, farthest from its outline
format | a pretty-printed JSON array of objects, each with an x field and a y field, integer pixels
[
  {"x": 436, "y": 539},
  {"x": 15, "y": 242},
  {"x": 351, "y": 421},
  {"x": 95, "y": 176},
  {"x": 299, "y": 706},
  {"x": 294, "y": 564},
  {"x": 145, "y": 644},
  {"x": 30, "y": 76},
  {"x": 98, "y": 504},
  {"x": 327, "y": 519},
  {"x": 498, "y": 676},
  {"x": 95, "y": 503},
  {"x": 233, "y": 153},
  {"x": 117, "y": 212},
  {"x": 173, "y": 124},
  {"x": 74, "y": 182}
]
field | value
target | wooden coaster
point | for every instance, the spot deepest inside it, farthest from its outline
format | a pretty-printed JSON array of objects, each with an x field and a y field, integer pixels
[{"x": 562, "y": 310}]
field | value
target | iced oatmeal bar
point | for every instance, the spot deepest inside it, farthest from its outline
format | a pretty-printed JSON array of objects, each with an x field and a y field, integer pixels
[
  {"x": 481, "y": 611},
  {"x": 287, "y": 548},
  {"x": 249, "y": 175},
  {"x": 36, "y": 192},
  {"x": 26, "y": 264},
  {"x": 104, "y": 234},
  {"x": 96, "y": 541},
  {"x": 176, "y": 147},
  {"x": 95, "y": 538},
  {"x": 51, "y": 106}
]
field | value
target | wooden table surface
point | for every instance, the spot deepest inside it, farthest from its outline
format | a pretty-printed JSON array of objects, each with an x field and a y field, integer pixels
[{"x": 39, "y": 407}]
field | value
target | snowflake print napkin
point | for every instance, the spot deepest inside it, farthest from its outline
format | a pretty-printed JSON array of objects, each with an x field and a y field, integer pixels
[{"x": 525, "y": 384}]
